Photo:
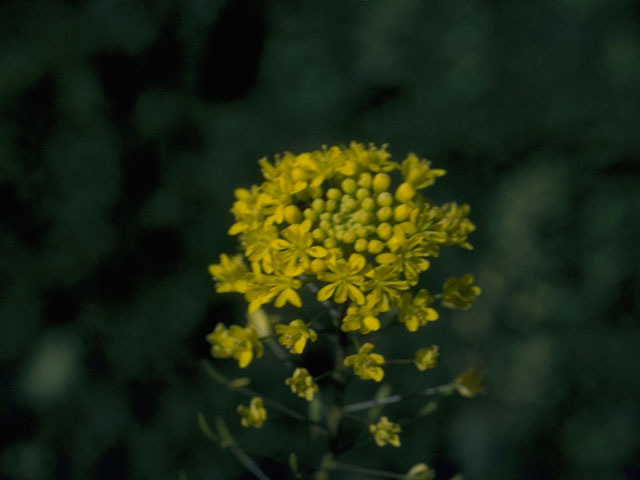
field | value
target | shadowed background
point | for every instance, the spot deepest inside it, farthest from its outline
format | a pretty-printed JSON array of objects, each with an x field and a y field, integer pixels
[{"x": 126, "y": 125}]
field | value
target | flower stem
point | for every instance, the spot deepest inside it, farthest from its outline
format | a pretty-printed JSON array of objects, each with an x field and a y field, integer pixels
[{"x": 355, "y": 407}]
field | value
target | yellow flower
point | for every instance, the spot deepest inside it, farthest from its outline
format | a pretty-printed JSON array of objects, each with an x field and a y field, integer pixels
[
  {"x": 302, "y": 384},
  {"x": 470, "y": 383},
  {"x": 407, "y": 255},
  {"x": 373, "y": 159},
  {"x": 254, "y": 415},
  {"x": 296, "y": 248},
  {"x": 459, "y": 292},
  {"x": 246, "y": 211},
  {"x": 454, "y": 222},
  {"x": 230, "y": 274},
  {"x": 419, "y": 172},
  {"x": 295, "y": 335},
  {"x": 426, "y": 358},
  {"x": 362, "y": 318},
  {"x": 366, "y": 364},
  {"x": 264, "y": 288},
  {"x": 415, "y": 311},
  {"x": 385, "y": 432},
  {"x": 258, "y": 247},
  {"x": 345, "y": 279},
  {"x": 384, "y": 283},
  {"x": 237, "y": 342}
]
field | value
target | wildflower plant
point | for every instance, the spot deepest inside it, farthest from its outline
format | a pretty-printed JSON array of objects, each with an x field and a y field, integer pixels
[{"x": 351, "y": 232}]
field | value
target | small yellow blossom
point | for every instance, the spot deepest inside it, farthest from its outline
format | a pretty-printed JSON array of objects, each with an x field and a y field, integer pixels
[
  {"x": 366, "y": 364},
  {"x": 295, "y": 249},
  {"x": 419, "y": 172},
  {"x": 254, "y": 415},
  {"x": 237, "y": 342},
  {"x": 230, "y": 274},
  {"x": 302, "y": 384},
  {"x": 345, "y": 279},
  {"x": 295, "y": 335},
  {"x": 470, "y": 383},
  {"x": 426, "y": 358},
  {"x": 383, "y": 285},
  {"x": 459, "y": 292},
  {"x": 361, "y": 317},
  {"x": 264, "y": 288},
  {"x": 415, "y": 311},
  {"x": 385, "y": 432}
]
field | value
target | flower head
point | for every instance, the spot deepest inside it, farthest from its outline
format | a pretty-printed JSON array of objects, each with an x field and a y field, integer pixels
[
  {"x": 230, "y": 274},
  {"x": 385, "y": 432},
  {"x": 415, "y": 311},
  {"x": 366, "y": 364},
  {"x": 459, "y": 292},
  {"x": 345, "y": 279},
  {"x": 254, "y": 415},
  {"x": 361, "y": 317},
  {"x": 302, "y": 384},
  {"x": 470, "y": 383},
  {"x": 295, "y": 335},
  {"x": 426, "y": 358},
  {"x": 237, "y": 342}
]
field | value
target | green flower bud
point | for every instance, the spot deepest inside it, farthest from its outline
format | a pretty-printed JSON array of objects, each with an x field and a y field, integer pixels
[
  {"x": 401, "y": 212},
  {"x": 375, "y": 246},
  {"x": 381, "y": 182},
  {"x": 385, "y": 199},
  {"x": 364, "y": 180},
  {"x": 349, "y": 185},
  {"x": 384, "y": 214},
  {"x": 362, "y": 193},
  {"x": 292, "y": 214},
  {"x": 334, "y": 194},
  {"x": 318, "y": 205},
  {"x": 368, "y": 204},
  {"x": 360, "y": 245},
  {"x": 384, "y": 231},
  {"x": 405, "y": 192}
]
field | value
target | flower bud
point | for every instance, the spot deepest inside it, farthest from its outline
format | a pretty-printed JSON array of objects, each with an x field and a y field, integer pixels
[
  {"x": 405, "y": 192},
  {"x": 381, "y": 182}
]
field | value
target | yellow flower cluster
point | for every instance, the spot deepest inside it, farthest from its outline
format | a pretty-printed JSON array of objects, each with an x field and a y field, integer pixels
[
  {"x": 366, "y": 364},
  {"x": 295, "y": 335},
  {"x": 355, "y": 228},
  {"x": 334, "y": 218},
  {"x": 254, "y": 415},
  {"x": 237, "y": 342},
  {"x": 385, "y": 432},
  {"x": 459, "y": 292},
  {"x": 426, "y": 358},
  {"x": 302, "y": 384}
]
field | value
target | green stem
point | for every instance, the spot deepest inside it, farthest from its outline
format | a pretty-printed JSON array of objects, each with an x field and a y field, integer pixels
[
  {"x": 218, "y": 377},
  {"x": 354, "y": 407}
]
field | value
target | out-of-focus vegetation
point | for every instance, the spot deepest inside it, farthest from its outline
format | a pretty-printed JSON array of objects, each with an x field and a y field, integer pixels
[{"x": 126, "y": 125}]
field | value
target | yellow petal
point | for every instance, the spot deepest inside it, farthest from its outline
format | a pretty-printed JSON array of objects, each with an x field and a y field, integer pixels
[
  {"x": 325, "y": 292},
  {"x": 298, "y": 347},
  {"x": 245, "y": 358},
  {"x": 372, "y": 323}
]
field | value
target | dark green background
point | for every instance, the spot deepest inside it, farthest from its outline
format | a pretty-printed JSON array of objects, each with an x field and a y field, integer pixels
[{"x": 126, "y": 125}]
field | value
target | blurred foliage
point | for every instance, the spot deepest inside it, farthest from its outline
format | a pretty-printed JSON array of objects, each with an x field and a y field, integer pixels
[{"x": 126, "y": 125}]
